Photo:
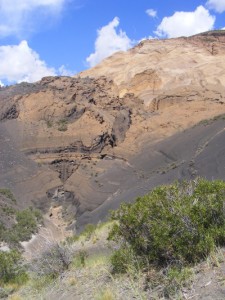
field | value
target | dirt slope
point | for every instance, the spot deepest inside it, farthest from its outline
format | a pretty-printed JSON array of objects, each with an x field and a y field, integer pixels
[{"x": 117, "y": 130}]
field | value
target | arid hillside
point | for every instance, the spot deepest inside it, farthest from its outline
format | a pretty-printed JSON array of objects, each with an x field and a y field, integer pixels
[{"x": 138, "y": 119}]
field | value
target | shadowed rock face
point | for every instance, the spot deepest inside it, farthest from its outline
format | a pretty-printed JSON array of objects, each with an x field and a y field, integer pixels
[{"x": 115, "y": 131}]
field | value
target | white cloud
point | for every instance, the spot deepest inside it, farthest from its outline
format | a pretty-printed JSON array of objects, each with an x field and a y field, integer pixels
[
  {"x": 151, "y": 13},
  {"x": 1, "y": 83},
  {"x": 20, "y": 63},
  {"x": 186, "y": 23},
  {"x": 19, "y": 16},
  {"x": 109, "y": 41},
  {"x": 63, "y": 71},
  {"x": 217, "y": 5}
]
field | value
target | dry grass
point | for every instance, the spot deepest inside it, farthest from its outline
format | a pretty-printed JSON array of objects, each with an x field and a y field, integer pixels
[
  {"x": 15, "y": 297},
  {"x": 215, "y": 258},
  {"x": 106, "y": 294},
  {"x": 93, "y": 280}
]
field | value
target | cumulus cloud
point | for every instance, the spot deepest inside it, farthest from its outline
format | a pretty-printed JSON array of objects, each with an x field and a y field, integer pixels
[
  {"x": 217, "y": 5},
  {"x": 108, "y": 41},
  {"x": 151, "y": 13},
  {"x": 63, "y": 71},
  {"x": 19, "y": 16},
  {"x": 20, "y": 63},
  {"x": 186, "y": 23},
  {"x": 1, "y": 83}
]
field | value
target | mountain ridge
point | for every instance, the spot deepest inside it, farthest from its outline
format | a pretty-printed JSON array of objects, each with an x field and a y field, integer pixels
[{"x": 89, "y": 142}]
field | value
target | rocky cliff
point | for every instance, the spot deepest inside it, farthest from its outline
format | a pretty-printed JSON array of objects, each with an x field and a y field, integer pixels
[{"x": 138, "y": 119}]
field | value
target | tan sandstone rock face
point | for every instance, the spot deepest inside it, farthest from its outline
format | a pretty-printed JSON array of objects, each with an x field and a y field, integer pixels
[
  {"x": 156, "y": 67},
  {"x": 181, "y": 79},
  {"x": 87, "y": 142}
]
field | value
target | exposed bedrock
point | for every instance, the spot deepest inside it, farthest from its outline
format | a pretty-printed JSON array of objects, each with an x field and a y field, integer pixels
[{"x": 113, "y": 132}]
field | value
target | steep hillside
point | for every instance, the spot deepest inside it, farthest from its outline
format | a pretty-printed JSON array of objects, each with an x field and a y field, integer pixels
[
  {"x": 164, "y": 72},
  {"x": 115, "y": 131}
]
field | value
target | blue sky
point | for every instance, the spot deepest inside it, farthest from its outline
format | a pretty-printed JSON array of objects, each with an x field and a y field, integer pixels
[{"x": 62, "y": 37}]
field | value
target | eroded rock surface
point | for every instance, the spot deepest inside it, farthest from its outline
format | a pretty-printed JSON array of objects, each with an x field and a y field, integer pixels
[{"x": 113, "y": 132}]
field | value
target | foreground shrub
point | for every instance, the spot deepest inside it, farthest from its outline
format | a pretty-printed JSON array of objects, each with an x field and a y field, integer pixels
[
  {"x": 177, "y": 224},
  {"x": 26, "y": 224},
  {"x": 53, "y": 261},
  {"x": 122, "y": 258},
  {"x": 11, "y": 268}
]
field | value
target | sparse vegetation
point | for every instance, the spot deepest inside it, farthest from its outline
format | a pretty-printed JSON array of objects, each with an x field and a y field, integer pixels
[
  {"x": 9, "y": 210},
  {"x": 156, "y": 244},
  {"x": 80, "y": 258},
  {"x": 53, "y": 261},
  {"x": 106, "y": 294},
  {"x": 26, "y": 224},
  {"x": 62, "y": 125},
  {"x": 89, "y": 230},
  {"x": 7, "y": 193},
  {"x": 11, "y": 268},
  {"x": 211, "y": 120},
  {"x": 38, "y": 283},
  {"x": 49, "y": 123}
]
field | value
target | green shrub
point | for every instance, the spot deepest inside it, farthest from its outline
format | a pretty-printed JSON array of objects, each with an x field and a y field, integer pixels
[
  {"x": 80, "y": 258},
  {"x": 177, "y": 224},
  {"x": 26, "y": 224},
  {"x": 89, "y": 231},
  {"x": 62, "y": 125},
  {"x": 11, "y": 268},
  {"x": 37, "y": 213},
  {"x": 2, "y": 232},
  {"x": 8, "y": 194},
  {"x": 71, "y": 239},
  {"x": 49, "y": 123},
  {"x": 121, "y": 260},
  {"x": 8, "y": 210}
]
